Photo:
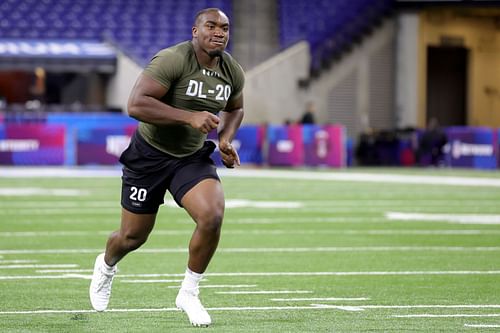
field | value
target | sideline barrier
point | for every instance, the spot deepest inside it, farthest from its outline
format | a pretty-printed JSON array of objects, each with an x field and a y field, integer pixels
[{"x": 94, "y": 138}]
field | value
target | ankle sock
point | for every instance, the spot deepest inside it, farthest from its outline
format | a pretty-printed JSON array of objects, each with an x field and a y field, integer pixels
[{"x": 191, "y": 280}]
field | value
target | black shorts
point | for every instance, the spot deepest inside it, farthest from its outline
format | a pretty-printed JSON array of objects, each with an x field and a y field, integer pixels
[{"x": 148, "y": 173}]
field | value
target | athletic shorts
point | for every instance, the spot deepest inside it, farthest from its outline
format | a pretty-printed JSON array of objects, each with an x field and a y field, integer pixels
[{"x": 148, "y": 173}]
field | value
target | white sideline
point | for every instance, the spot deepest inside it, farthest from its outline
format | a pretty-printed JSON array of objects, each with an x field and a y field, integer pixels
[{"x": 337, "y": 175}]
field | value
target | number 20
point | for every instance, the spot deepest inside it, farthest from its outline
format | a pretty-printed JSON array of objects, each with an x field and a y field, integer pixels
[{"x": 138, "y": 194}]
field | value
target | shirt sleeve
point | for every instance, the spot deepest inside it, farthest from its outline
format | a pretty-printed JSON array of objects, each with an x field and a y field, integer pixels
[
  {"x": 165, "y": 68},
  {"x": 238, "y": 82}
]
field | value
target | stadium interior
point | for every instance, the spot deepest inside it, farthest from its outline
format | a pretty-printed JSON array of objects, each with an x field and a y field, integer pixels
[{"x": 381, "y": 69}]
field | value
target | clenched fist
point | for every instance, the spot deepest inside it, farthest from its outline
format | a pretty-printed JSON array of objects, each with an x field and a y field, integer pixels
[
  {"x": 204, "y": 121},
  {"x": 228, "y": 154}
]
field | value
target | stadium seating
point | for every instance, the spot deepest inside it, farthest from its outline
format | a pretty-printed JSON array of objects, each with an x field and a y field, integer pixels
[
  {"x": 330, "y": 26},
  {"x": 139, "y": 28}
]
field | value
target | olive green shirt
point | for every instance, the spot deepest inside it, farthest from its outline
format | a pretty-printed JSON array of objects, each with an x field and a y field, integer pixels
[{"x": 193, "y": 88}]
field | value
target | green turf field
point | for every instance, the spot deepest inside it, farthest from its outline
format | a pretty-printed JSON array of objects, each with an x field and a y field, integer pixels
[{"x": 300, "y": 252}]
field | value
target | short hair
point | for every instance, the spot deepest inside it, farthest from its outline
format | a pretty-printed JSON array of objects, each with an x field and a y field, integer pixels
[{"x": 204, "y": 11}]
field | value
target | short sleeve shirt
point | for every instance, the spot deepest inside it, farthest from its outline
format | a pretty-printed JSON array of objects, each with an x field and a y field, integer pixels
[{"x": 191, "y": 87}]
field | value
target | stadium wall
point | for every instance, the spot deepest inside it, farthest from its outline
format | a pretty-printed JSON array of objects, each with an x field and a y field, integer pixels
[
  {"x": 121, "y": 83},
  {"x": 272, "y": 94},
  {"x": 358, "y": 90},
  {"x": 479, "y": 33}
]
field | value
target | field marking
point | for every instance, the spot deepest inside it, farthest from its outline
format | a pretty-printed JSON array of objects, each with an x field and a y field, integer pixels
[
  {"x": 243, "y": 203},
  {"x": 255, "y": 274},
  {"x": 363, "y": 177},
  {"x": 275, "y": 232},
  {"x": 202, "y": 286},
  {"x": 264, "y": 292},
  {"x": 279, "y": 308},
  {"x": 151, "y": 281},
  {"x": 274, "y": 249},
  {"x": 62, "y": 204},
  {"x": 451, "y": 218},
  {"x": 456, "y": 315},
  {"x": 38, "y": 266},
  {"x": 482, "y": 325},
  {"x": 64, "y": 271},
  {"x": 340, "y": 307},
  {"x": 41, "y": 191},
  {"x": 351, "y": 176},
  {"x": 17, "y": 261},
  {"x": 320, "y": 299}
]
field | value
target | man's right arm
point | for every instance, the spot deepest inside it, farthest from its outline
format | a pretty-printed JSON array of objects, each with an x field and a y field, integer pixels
[{"x": 145, "y": 105}]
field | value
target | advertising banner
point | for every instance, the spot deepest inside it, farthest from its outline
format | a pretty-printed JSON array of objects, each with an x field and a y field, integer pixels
[
  {"x": 32, "y": 144},
  {"x": 102, "y": 145},
  {"x": 324, "y": 145},
  {"x": 472, "y": 147},
  {"x": 285, "y": 145},
  {"x": 248, "y": 142}
]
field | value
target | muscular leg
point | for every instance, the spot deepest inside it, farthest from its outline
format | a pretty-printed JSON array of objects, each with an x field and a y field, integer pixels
[
  {"x": 134, "y": 232},
  {"x": 205, "y": 204}
]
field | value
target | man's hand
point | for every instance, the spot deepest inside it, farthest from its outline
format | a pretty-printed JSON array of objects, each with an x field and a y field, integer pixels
[
  {"x": 228, "y": 154},
  {"x": 204, "y": 121}
]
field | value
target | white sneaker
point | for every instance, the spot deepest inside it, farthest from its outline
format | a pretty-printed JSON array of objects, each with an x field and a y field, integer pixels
[
  {"x": 189, "y": 302},
  {"x": 100, "y": 287}
]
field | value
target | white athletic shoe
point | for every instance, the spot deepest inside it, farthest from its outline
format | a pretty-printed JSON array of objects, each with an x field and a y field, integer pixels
[
  {"x": 100, "y": 287},
  {"x": 189, "y": 302}
]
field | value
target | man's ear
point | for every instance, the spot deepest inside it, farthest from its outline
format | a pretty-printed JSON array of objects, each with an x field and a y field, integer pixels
[{"x": 194, "y": 32}]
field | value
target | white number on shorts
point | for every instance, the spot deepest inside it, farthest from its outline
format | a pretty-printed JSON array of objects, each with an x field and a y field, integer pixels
[{"x": 138, "y": 194}]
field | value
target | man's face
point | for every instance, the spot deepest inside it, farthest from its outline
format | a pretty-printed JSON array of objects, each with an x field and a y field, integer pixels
[{"x": 212, "y": 32}]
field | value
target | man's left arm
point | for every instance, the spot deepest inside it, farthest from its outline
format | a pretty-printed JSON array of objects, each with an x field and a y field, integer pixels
[{"x": 230, "y": 120}]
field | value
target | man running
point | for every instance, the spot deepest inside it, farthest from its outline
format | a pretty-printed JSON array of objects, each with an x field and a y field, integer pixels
[{"x": 186, "y": 91}]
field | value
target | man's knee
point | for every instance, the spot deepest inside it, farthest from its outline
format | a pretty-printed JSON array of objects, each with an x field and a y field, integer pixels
[
  {"x": 131, "y": 242},
  {"x": 210, "y": 220}
]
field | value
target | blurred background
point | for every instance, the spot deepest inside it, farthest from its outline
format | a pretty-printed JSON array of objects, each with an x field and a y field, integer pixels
[{"x": 383, "y": 82}]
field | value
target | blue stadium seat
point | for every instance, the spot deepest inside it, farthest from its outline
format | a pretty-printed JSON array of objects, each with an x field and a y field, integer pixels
[
  {"x": 139, "y": 27},
  {"x": 330, "y": 26}
]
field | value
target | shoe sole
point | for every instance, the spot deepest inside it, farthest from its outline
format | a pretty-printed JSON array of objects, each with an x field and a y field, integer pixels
[{"x": 195, "y": 325}]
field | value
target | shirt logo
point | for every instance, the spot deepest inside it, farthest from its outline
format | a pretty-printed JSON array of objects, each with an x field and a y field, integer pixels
[
  {"x": 210, "y": 73},
  {"x": 222, "y": 92}
]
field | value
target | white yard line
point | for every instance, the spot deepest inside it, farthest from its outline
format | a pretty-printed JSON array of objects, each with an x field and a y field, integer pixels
[
  {"x": 220, "y": 286},
  {"x": 455, "y": 315},
  {"x": 18, "y": 261},
  {"x": 30, "y": 191},
  {"x": 482, "y": 325},
  {"x": 279, "y": 308},
  {"x": 275, "y": 232},
  {"x": 151, "y": 281},
  {"x": 276, "y": 249},
  {"x": 37, "y": 266},
  {"x": 41, "y": 271},
  {"x": 320, "y": 299},
  {"x": 264, "y": 292},
  {"x": 256, "y": 274},
  {"x": 451, "y": 218}
]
